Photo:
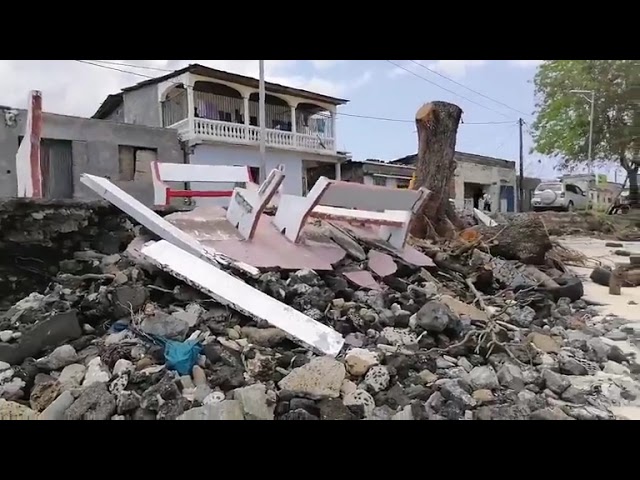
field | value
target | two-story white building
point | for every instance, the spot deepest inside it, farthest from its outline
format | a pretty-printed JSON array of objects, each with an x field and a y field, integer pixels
[{"x": 216, "y": 115}]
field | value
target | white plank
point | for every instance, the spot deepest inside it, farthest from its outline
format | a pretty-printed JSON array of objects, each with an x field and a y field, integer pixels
[
  {"x": 394, "y": 218},
  {"x": 369, "y": 197},
  {"x": 177, "y": 172},
  {"x": 484, "y": 218},
  {"x": 235, "y": 293},
  {"x": 157, "y": 224}
]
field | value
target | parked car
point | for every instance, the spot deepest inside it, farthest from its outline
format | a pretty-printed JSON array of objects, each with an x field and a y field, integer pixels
[{"x": 559, "y": 196}]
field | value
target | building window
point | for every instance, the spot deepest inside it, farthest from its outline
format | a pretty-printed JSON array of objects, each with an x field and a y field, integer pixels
[
  {"x": 134, "y": 162},
  {"x": 380, "y": 181},
  {"x": 401, "y": 183}
]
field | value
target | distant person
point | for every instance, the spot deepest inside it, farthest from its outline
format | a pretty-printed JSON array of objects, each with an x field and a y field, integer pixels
[{"x": 486, "y": 201}]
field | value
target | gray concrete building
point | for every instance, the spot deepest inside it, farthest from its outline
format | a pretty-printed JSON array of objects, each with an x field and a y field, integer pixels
[{"x": 71, "y": 146}]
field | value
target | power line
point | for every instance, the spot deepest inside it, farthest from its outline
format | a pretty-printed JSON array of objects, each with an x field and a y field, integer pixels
[
  {"x": 446, "y": 89},
  {"x": 368, "y": 117},
  {"x": 468, "y": 88},
  {"x": 144, "y": 67}
]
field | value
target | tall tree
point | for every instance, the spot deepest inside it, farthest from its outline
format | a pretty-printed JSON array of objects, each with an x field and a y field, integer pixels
[{"x": 561, "y": 128}]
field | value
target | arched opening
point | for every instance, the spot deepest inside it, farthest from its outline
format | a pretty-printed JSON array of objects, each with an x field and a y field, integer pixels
[
  {"x": 174, "y": 105},
  {"x": 215, "y": 101},
  {"x": 313, "y": 120},
  {"x": 277, "y": 112}
]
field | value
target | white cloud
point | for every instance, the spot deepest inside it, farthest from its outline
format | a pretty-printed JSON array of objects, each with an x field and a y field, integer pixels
[
  {"x": 452, "y": 68},
  {"x": 325, "y": 64},
  {"x": 525, "y": 63},
  {"x": 74, "y": 88}
]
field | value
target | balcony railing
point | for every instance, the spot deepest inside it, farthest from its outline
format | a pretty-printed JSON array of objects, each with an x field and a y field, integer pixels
[{"x": 228, "y": 132}]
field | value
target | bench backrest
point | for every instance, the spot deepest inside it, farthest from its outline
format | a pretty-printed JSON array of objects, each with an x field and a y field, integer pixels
[
  {"x": 334, "y": 193},
  {"x": 177, "y": 172}
]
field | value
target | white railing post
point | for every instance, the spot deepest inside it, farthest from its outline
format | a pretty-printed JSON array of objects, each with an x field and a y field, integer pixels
[
  {"x": 333, "y": 128},
  {"x": 247, "y": 116},
  {"x": 191, "y": 105}
]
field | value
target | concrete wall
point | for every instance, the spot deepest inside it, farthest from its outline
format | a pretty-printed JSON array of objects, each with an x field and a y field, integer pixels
[
  {"x": 492, "y": 176},
  {"x": 94, "y": 148},
  {"x": 142, "y": 107},
  {"x": 205, "y": 154}
]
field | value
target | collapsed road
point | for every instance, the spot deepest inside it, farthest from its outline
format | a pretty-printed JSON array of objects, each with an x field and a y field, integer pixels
[{"x": 91, "y": 328}]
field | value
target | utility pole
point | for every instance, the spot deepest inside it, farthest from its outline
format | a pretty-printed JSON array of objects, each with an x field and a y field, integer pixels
[
  {"x": 521, "y": 175},
  {"x": 262, "y": 119}
]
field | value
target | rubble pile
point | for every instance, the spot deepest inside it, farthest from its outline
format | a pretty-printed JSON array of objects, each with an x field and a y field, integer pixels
[{"x": 113, "y": 338}]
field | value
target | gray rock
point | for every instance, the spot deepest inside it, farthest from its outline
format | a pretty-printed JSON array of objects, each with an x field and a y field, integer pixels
[
  {"x": 165, "y": 390},
  {"x": 225, "y": 410},
  {"x": 453, "y": 391},
  {"x": 4, "y": 366},
  {"x": 510, "y": 376},
  {"x": 381, "y": 413},
  {"x": 377, "y": 378},
  {"x": 466, "y": 364},
  {"x": 334, "y": 409},
  {"x": 484, "y": 377},
  {"x": 320, "y": 378},
  {"x": 555, "y": 382},
  {"x": 59, "y": 358},
  {"x": 362, "y": 399},
  {"x": 570, "y": 366},
  {"x": 404, "y": 414},
  {"x": 550, "y": 414},
  {"x": 523, "y": 316},
  {"x": 97, "y": 372},
  {"x": 123, "y": 366},
  {"x": 129, "y": 298},
  {"x": 94, "y": 403},
  {"x": 433, "y": 317},
  {"x": 599, "y": 349},
  {"x": 503, "y": 412},
  {"x": 358, "y": 361},
  {"x": 588, "y": 413},
  {"x": 56, "y": 410},
  {"x": 399, "y": 336},
  {"x": 305, "y": 276},
  {"x": 6, "y": 335},
  {"x": 72, "y": 376},
  {"x": 266, "y": 337},
  {"x": 615, "y": 368},
  {"x": 127, "y": 401},
  {"x": 574, "y": 395},
  {"x": 255, "y": 402},
  {"x": 617, "y": 335},
  {"x": 441, "y": 363},
  {"x": 165, "y": 325}
]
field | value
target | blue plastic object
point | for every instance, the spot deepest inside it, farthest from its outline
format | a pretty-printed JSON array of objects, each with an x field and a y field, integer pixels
[{"x": 181, "y": 356}]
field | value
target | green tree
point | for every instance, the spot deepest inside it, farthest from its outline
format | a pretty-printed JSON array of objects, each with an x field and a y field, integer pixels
[{"x": 561, "y": 128}]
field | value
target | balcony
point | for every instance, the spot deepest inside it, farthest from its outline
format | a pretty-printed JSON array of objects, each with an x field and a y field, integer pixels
[{"x": 223, "y": 114}]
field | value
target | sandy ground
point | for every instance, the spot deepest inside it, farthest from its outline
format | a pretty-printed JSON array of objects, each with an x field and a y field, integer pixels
[{"x": 616, "y": 305}]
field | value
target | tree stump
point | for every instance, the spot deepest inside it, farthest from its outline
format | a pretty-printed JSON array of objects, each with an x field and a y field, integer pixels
[
  {"x": 437, "y": 125},
  {"x": 524, "y": 238}
]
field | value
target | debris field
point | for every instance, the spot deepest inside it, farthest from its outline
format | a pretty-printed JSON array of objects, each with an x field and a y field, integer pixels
[{"x": 92, "y": 329}]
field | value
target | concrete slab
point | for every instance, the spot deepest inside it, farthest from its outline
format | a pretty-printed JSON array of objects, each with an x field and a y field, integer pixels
[
  {"x": 238, "y": 295},
  {"x": 157, "y": 224},
  {"x": 267, "y": 250}
]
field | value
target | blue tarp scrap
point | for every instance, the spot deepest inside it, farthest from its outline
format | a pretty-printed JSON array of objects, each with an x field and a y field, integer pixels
[
  {"x": 178, "y": 356},
  {"x": 181, "y": 356}
]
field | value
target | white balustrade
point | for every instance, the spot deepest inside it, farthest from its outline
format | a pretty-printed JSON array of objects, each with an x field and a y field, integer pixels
[{"x": 239, "y": 133}]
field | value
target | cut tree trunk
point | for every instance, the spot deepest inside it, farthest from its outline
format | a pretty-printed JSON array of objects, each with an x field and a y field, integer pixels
[
  {"x": 524, "y": 238},
  {"x": 437, "y": 124}
]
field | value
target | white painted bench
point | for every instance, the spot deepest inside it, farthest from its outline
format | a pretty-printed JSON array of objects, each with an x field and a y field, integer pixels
[
  {"x": 184, "y": 172},
  {"x": 246, "y": 205},
  {"x": 390, "y": 209}
]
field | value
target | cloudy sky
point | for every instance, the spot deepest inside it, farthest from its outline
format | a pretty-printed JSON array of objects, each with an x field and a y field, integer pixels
[{"x": 391, "y": 90}]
